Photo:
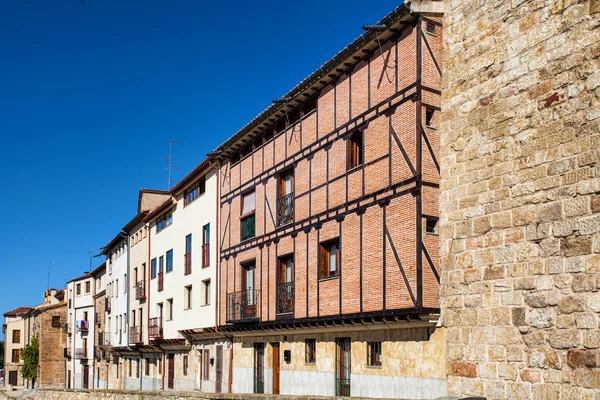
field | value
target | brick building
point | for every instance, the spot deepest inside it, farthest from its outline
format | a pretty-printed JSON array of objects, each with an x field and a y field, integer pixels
[{"x": 329, "y": 206}]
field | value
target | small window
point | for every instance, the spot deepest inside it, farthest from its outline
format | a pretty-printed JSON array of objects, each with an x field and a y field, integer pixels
[
  {"x": 153, "y": 268},
  {"x": 374, "y": 354},
  {"x": 147, "y": 370},
  {"x": 429, "y": 117},
  {"x": 16, "y": 355},
  {"x": 310, "y": 351},
  {"x": 170, "y": 260},
  {"x": 206, "y": 292},
  {"x": 16, "y": 336},
  {"x": 355, "y": 150},
  {"x": 56, "y": 321},
  {"x": 329, "y": 259},
  {"x": 431, "y": 225},
  {"x": 87, "y": 287},
  {"x": 169, "y": 309},
  {"x": 248, "y": 218},
  {"x": 430, "y": 26},
  {"x": 78, "y": 289},
  {"x": 164, "y": 221},
  {"x": 188, "y": 297},
  {"x": 185, "y": 365},
  {"x": 195, "y": 192}
]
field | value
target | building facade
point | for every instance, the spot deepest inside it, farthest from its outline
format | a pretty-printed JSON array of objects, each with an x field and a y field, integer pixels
[
  {"x": 14, "y": 341},
  {"x": 329, "y": 277},
  {"x": 100, "y": 364}
]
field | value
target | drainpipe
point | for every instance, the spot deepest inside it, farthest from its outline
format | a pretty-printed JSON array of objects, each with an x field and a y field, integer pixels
[
  {"x": 127, "y": 280},
  {"x": 162, "y": 385},
  {"x": 147, "y": 283},
  {"x": 217, "y": 268}
]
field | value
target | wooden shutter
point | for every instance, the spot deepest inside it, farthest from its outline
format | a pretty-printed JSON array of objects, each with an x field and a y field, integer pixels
[{"x": 323, "y": 262}]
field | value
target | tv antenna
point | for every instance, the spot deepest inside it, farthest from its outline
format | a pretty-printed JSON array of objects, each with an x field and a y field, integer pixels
[
  {"x": 169, "y": 160},
  {"x": 49, "y": 262},
  {"x": 91, "y": 254}
]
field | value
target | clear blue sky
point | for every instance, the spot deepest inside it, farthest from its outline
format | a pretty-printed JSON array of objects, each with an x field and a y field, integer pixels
[{"x": 91, "y": 93}]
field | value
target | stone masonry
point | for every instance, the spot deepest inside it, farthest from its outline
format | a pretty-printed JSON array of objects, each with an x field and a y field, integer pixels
[{"x": 520, "y": 202}]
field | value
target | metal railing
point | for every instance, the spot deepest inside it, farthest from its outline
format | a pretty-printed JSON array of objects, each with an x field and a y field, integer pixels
[
  {"x": 285, "y": 209},
  {"x": 80, "y": 354},
  {"x": 187, "y": 263},
  {"x": 160, "y": 281},
  {"x": 285, "y": 298},
  {"x": 84, "y": 326},
  {"x": 140, "y": 290},
  {"x": 155, "y": 329},
  {"x": 248, "y": 227},
  {"x": 135, "y": 334},
  {"x": 243, "y": 305},
  {"x": 205, "y": 255}
]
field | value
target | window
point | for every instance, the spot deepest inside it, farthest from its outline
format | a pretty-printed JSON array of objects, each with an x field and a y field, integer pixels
[
  {"x": 185, "y": 365},
  {"x": 429, "y": 117},
  {"x": 374, "y": 354},
  {"x": 188, "y": 297},
  {"x": 87, "y": 287},
  {"x": 205, "y": 364},
  {"x": 78, "y": 289},
  {"x": 188, "y": 255},
  {"x": 206, "y": 292},
  {"x": 153, "y": 268},
  {"x": 170, "y": 260},
  {"x": 310, "y": 351},
  {"x": 188, "y": 244},
  {"x": 161, "y": 264},
  {"x": 16, "y": 355},
  {"x": 137, "y": 368},
  {"x": 285, "y": 203},
  {"x": 85, "y": 316},
  {"x": 248, "y": 217},
  {"x": 431, "y": 225},
  {"x": 195, "y": 192},
  {"x": 147, "y": 370},
  {"x": 16, "y": 336},
  {"x": 116, "y": 288},
  {"x": 355, "y": 150},
  {"x": 206, "y": 245},
  {"x": 164, "y": 221},
  {"x": 329, "y": 259},
  {"x": 56, "y": 321},
  {"x": 169, "y": 309},
  {"x": 430, "y": 27}
]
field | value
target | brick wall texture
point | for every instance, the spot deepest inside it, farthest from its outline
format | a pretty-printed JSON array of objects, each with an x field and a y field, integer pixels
[{"x": 520, "y": 202}]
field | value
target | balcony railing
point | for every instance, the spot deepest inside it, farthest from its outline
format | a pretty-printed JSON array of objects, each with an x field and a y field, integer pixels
[
  {"x": 135, "y": 334},
  {"x": 243, "y": 305},
  {"x": 140, "y": 290},
  {"x": 155, "y": 329},
  {"x": 160, "y": 281},
  {"x": 81, "y": 354},
  {"x": 248, "y": 230},
  {"x": 107, "y": 304},
  {"x": 187, "y": 263},
  {"x": 285, "y": 209},
  {"x": 285, "y": 298},
  {"x": 205, "y": 255},
  {"x": 84, "y": 326}
]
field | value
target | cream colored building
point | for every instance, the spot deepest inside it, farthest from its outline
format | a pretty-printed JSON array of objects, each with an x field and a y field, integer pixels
[{"x": 14, "y": 341}]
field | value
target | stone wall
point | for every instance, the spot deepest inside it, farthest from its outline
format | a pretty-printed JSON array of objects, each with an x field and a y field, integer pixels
[{"x": 520, "y": 209}]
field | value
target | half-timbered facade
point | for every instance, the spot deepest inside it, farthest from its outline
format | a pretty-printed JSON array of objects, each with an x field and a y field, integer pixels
[{"x": 329, "y": 278}]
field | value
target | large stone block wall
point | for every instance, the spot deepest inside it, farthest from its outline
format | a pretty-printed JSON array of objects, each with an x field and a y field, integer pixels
[{"x": 520, "y": 202}]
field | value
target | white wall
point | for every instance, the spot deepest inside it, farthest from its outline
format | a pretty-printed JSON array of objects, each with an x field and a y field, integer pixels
[{"x": 117, "y": 296}]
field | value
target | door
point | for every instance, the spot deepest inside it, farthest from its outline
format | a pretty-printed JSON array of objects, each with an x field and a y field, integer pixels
[
  {"x": 343, "y": 368},
  {"x": 12, "y": 378},
  {"x": 259, "y": 367},
  {"x": 171, "y": 381},
  {"x": 86, "y": 376},
  {"x": 285, "y": 286},
  {"x": 276, "y": 368},
  {"x": 285, "y": 205},
  {"x": 68, "y": 379},
  {"x": 219, "y": 369},
  {"x": 248, "y": 306}
]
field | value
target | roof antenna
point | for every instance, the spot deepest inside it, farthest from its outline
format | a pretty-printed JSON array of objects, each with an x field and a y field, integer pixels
[
  {"x": 378, "y": 28},
  {"x": 49, "y": 262},
  {"x": 284, "y": 101},
  {"x": 90, "y": 253},
  {"x": 169, "y": 160}
]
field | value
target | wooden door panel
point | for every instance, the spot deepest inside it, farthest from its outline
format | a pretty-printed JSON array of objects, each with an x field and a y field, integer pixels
[
  {"x": 219, "y": 369},
  {"x": 276, "y": 368}
]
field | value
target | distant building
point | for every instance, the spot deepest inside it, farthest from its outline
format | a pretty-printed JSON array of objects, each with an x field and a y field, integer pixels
[{"x": 14, "y": 341}]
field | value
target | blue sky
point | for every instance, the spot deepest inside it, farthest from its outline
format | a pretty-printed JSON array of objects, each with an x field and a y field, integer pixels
[{"x": 91, "y": 93}]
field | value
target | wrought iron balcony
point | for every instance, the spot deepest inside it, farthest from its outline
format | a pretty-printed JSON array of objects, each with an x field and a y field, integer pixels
[
  {"x": 155, "y": 329},
  {"x": 135, "y": 334},
  {"x": 285, "y": 298},
  {"x": 84, "y": 326},
  {"x": 160, "y": 281},
  {"x": 187, "y": 263},
  {"x": 81, "y": 354},
  {"x": 205, "y": 255},
  {"x": 140, "y": 290},
  {"x": 107, "y": 305},
  {"x": 243, "y": 305},
  {"x": 248, "y": 227},
  {"x": 285, "y": 210}
]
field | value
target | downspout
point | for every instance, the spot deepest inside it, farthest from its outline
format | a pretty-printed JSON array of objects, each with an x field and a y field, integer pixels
[
  {"x": 162, "y": 386},
  {"x": 217, "y": 268},
  {"x": 147, "y": 289}
]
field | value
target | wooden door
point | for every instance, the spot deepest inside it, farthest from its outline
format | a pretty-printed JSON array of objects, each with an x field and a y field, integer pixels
[
  {"x": 219, "y": 369},
  {"x": 86, "y": 376},
  {"x": 12, "y": 378},
  {"x": 68, "y": 379},
  {"x": 276, "y": 368},
  {"x": 343, "y": 367},
  {"x": 171, "y": 380}
]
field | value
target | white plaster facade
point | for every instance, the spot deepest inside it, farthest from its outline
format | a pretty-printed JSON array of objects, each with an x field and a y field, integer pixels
[
  {"x": 14, "y": 339},
  {"x": 116, "y": 333}
]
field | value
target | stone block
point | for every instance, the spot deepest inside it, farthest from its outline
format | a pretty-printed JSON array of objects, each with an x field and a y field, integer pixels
[
  {"x": 595, "y": 203},
  {"x": 549, "y": 212},
  {"x": 565, "y": 339},
  {"x": 464, "y": 369},
  {"x": 577, "y": 206},
  {"x": 587, "y": 378},
  {"x": 519, "y": 316},
  {"x": 582, "y": 358},
  {"x": 542, "y": 318},
  {"x": 570, "y": 304},
  {"x": 530, "y": 375},
  {"x": 576, "y": 246},
  {"x": 590, "y": 225},
  {"x": 591, "y": 339},
  {"x": 584, "y": 283},
  {"x": 536, "y": 300},
  {"x": 586, "y": 320}
]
